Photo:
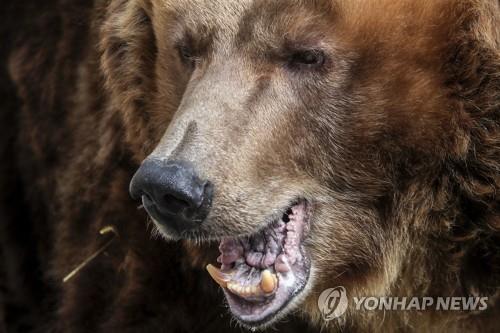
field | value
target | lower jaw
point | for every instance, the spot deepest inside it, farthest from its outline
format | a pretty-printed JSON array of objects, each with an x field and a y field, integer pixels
[
  {"x": 258, "y": 292},
  {"x": 264, "y": 312}
]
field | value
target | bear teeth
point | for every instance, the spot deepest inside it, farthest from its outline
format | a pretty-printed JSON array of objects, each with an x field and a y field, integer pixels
[
  {"x": 221, "y": 278},
  {"x": 268, "y": 281},
  {"x": 266, "y": 287}
]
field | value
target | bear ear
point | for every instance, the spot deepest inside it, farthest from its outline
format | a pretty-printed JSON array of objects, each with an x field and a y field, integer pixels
[{"x": 127, "y": 59}]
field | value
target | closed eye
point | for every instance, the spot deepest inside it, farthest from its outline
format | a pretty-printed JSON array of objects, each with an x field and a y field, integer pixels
[
  {"x": 306, "y": 59},
  {"x": 187, "y": 55}
]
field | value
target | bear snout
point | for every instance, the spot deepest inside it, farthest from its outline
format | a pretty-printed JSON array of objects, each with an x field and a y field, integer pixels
[{"x": 173, "y": 194}]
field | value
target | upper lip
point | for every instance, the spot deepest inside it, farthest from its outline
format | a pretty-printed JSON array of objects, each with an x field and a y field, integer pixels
[{"x": 201, "y": 233}]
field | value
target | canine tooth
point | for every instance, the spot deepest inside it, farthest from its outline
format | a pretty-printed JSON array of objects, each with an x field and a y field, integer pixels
[
  {"x": 221, "y": 278},
  {"x": 267, "y": 281}
]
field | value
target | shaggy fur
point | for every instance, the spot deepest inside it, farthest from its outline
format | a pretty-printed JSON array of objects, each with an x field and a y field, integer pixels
[{"x": 395, "y": 142}]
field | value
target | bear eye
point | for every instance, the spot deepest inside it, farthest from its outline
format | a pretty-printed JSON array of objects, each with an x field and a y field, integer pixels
[
  {"x": 307, "y": 59},
  {"x": 187, "y": 56}
]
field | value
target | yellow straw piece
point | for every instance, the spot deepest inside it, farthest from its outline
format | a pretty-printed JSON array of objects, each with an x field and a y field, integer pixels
[{"x": 105, "y": 230}]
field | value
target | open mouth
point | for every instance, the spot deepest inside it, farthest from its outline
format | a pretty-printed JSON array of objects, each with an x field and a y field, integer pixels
[{"x": 262, "y": 273}]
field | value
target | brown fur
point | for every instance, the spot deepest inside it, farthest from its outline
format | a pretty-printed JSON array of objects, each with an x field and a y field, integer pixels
[{"x": 395, "y": 142}]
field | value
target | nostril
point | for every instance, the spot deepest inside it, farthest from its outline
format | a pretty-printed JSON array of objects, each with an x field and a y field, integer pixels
[
  {"x": 172, "y": 193},
  {"x": 174, "y": 205}
]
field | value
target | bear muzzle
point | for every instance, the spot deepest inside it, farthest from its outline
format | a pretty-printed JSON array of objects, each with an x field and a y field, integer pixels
[{"x": 173, "y": 194}]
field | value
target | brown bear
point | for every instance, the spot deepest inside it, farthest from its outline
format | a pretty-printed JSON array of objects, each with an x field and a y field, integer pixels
[
  {"x": 328, "y": 143},
  {"x": 317, "y": 143}
]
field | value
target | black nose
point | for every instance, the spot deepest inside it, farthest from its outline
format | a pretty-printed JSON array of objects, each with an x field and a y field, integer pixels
[{"x": 172, "y": 193}]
